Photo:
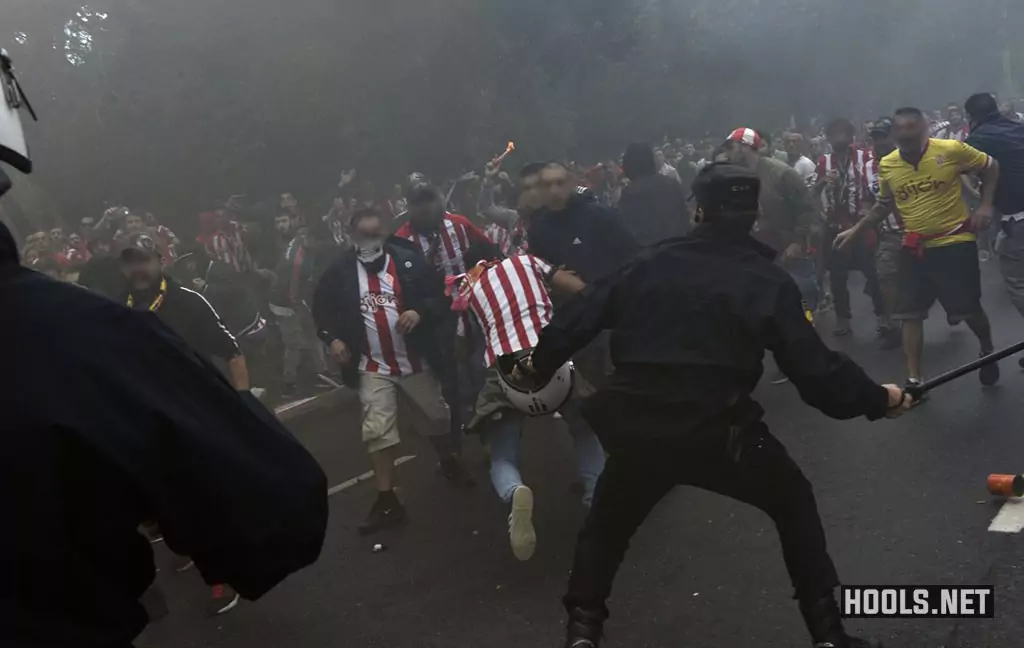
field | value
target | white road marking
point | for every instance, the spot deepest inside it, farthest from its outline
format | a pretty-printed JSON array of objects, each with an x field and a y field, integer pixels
[
  {"x": 284, "y": 408},
  {"x": 1010, "y": 518},
  {"x": 361, "y": 478}
]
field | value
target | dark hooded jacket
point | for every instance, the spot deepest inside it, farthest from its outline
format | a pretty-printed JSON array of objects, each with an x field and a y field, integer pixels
[
  {"x": 109, "y": 421},
  {"x": 653, "y": 206},
  {"x": 337, "y": 313},
  {"x": 1003, "y": 139},
  {"x": 585, "y": 237}
]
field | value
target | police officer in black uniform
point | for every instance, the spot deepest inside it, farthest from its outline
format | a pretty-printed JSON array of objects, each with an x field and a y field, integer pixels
[{"x": 691, "y": 319}]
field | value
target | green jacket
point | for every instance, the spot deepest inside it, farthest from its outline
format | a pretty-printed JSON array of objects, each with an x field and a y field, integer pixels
[{"x": 787, "y": 209}]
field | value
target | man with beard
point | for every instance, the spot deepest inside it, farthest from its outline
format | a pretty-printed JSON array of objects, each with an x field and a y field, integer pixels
[
  {"x": 653, "y": 206},
  {"x": 1003, "y": 139},
  {"x": 189, "y": 315},
  {"x": 890, "y": 233},
  {"x": 939, "y": 258},
  {"x": 841, "y": 187},
  {"x": 787, "y": 211},
  {"x": 382, "y": 312},
  {"x": 954, "y": 127},
  {"x": 576, "y": 233},
  {"x": 290, "y": 295},
  {"x": 691, "y": 320}
]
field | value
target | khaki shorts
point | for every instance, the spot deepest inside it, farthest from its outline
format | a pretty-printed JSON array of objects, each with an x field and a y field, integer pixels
[
  {"x": 887, "y": 256},
  {"x": 379, "y": 396}
]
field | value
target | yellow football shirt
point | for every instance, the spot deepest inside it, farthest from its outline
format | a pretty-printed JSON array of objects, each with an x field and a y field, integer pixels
[{"x": 929, "y": 196}]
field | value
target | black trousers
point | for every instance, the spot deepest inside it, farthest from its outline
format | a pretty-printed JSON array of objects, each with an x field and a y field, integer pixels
[
  {"x": 746, "y": 463},
  {"x": 860, "y": 257}
]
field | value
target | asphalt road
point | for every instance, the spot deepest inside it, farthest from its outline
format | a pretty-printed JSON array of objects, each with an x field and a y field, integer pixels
[{"x": 903, "y": 502}]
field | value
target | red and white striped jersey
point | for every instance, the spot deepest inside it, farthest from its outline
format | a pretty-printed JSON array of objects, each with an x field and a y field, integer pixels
[
  {"x": 891, "y": 222},
  {"x": 380, "y": 300},
  {"x": 842, "y": 199},
  {"x": 512, "y": 305},
  {"x": 445, "y": 248},
  {"x": 227, "y": 247}
]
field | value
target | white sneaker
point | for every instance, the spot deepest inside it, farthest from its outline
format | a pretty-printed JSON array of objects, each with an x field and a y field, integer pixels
[{"x": 521, "y": 533}]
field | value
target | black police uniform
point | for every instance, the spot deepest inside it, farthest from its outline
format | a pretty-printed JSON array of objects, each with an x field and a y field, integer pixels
[{"x": 691, "y": 319}]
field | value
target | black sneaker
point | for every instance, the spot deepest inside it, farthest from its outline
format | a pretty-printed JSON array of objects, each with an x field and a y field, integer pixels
[
  {"x": 386, "y": 512},
  {"x": 224, "y": 599},
  {"x": 456, "y": 474},
  {"x": 989, "y": 374},
  {"x": 826, "y": 626},
  {"x": 585, "y": 629}
]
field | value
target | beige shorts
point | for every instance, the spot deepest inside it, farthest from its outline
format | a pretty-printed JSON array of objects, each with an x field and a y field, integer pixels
[{"x": 421, "y": 397}]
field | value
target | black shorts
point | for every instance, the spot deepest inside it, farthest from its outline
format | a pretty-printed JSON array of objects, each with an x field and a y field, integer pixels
[{"x": 950, "y": 274}]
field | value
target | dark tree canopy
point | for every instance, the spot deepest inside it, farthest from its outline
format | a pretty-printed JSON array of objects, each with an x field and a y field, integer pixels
[{"x": 172, "y": 106}]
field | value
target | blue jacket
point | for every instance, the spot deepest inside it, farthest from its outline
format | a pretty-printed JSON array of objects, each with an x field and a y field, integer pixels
[{"x": 1003, "y": 139}]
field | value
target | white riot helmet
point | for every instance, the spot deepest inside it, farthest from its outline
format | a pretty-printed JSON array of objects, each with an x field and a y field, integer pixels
[
  {"x": 13, "y": 147},
  {"x": 530, "y": 397}
]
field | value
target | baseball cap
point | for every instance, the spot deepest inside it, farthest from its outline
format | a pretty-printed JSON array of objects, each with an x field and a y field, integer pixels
[
  {"x": 722, "y": 186},
  {"x": 141, "y": 247},
  {"x": 746, "y": 136}
]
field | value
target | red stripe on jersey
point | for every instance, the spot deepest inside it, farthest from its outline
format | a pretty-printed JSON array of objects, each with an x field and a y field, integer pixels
[
  {"x": 414, "y": 360},
  {"x": 449, "y": 250},
  {"x": 387, "y": 345},
  {"x": 531, "y": 298},
  {"x": 480, "y": 311},
  {"x": 492, "y": 302},
  {"x": 514, "y": 306}
]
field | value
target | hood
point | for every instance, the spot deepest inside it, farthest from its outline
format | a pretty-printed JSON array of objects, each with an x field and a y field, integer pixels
[{"x": 8, "y": 248}]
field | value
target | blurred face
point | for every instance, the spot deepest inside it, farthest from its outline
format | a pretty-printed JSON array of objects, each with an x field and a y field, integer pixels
[
  {"x": 883, "y": 144},
  {"x": 531, "y": 198},
  {"x": 840, "y": 138},
  {"x": 133, "y": 222},
  {"x": 741, "y": 154},
  {"x": 102, "y": 248},
  {"x": 556, "y": 186},
  {"x": 792, "y": 146},
  {"x": 909, "y": 133},
  {"x": 56, "y": 234},
  {"x": 427, "y": 215},
  {"x": 368, "y": 236},
  {"x": 283, "y": 224},
  {"x": 689, "y": 149},
  {"x": 955, "y": 116},
  {"x": 142, "y": 274},
  {"x": 75, "y": 240}
]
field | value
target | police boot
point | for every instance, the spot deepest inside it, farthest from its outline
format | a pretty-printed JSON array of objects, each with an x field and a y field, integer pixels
[
  {"x": 826, "y": 626},
  {"x": 585, "y": 629}
]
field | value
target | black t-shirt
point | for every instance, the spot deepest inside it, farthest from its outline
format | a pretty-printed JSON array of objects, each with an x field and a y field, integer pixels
[{"x": 188, "y": 314}]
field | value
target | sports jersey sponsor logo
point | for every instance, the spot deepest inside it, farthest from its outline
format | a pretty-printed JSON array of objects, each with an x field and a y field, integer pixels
[
  {"x": 373, "y": 302},
  {"x": 918, "y": 188}
]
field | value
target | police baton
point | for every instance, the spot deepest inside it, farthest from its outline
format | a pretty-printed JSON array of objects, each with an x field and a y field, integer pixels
[{"x": 917, "y": 391}]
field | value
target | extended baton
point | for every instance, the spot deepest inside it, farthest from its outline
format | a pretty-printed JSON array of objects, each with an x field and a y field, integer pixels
[{"x": 918, "y": 391}]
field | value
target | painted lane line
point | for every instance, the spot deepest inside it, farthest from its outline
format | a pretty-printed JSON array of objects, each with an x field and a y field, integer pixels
[
  {"x": 1010, "y": 518},
  {"x": 290, "y": 406},
  {"x": 361, "y": 478}
]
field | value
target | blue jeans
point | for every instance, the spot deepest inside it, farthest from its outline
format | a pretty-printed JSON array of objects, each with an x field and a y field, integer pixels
[
  {"x": 503, "y": 436},
  {"x": 803, "y": 272}
]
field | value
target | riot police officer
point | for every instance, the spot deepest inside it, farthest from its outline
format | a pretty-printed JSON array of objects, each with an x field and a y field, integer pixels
[{"x": 691, "y": 319}]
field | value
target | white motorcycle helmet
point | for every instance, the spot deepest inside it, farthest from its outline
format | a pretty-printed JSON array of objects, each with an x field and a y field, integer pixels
[{"x": 535, "y": 399}]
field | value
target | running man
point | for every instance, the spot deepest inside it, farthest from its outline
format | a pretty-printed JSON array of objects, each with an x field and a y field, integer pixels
[
  {"x": 509, "y": 298},
  {"x": 939, "y": 258}
]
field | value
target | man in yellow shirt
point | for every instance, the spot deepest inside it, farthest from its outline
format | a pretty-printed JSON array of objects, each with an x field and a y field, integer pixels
[{"x": 939, "y": 258}]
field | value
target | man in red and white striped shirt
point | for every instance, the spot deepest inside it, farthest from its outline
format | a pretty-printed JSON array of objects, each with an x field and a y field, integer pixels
[
  {"x": 382, "y": 312},
  {"x": 509, "y": 299},
  {"x": 841, "y": 187},
  {"x": 444, "y": 238}
]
